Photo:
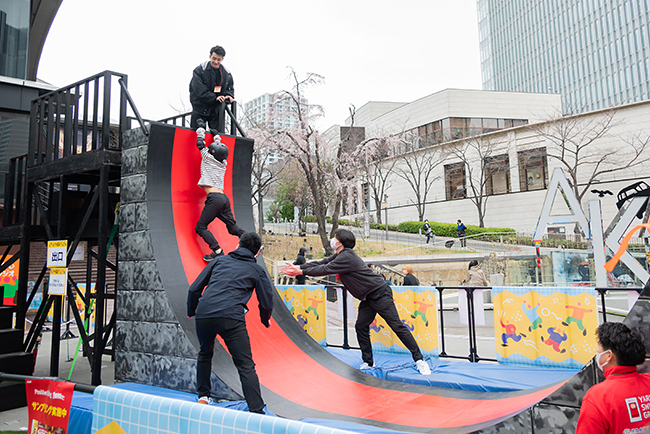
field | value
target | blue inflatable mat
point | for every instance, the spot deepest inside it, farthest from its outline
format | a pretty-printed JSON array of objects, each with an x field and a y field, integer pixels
[{"x": 463, "y": 375}]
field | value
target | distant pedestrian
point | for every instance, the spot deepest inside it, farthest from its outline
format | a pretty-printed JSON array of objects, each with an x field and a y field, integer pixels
[
  {"x": 426, "y": 227},
  {"x": 409, "y": 278},
  {"x": 300, "y": 259},
  {"x": 460, "y": 230},
  {"x": 476, "y": 276}
]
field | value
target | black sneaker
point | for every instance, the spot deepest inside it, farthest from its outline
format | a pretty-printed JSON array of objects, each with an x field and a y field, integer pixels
[{"x": 211, "y": 256}]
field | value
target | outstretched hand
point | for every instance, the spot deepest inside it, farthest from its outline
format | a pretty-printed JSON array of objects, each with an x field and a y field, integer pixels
[
  {"x": 265, "y": 317},
  {"x": 291, "y": 270}
]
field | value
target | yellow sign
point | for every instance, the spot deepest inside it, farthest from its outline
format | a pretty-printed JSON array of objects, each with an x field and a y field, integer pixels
[
  {"x": 553, "y": 327},
  {"x": 417, "y": 308},
  {"x": 58, "y": 281},
  {"x": 57, "y": 253},
  {"x": 111, "y": 428},
  {"x": 307, "y": 305}
]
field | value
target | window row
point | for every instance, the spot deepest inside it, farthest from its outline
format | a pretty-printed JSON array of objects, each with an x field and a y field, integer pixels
[
  {"x": 449, "y": 129},
  {"x": 533, "y": 174}
]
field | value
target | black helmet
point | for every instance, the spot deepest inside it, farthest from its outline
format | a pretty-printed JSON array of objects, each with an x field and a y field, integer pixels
[{"x": 218, "y": 150}]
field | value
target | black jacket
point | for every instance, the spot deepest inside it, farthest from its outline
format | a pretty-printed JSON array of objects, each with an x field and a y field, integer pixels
[
  {"x": 411, "y": 280},
  {"x": 354, "y": 273},
  {"x": 202, "y": 95},
  {"x": 229, "y": 282},
  {"x": 300, "y": 259}
]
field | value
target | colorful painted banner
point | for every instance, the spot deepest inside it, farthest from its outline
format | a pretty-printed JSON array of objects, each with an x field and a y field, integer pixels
[
  {"x": 9, "y": 282},
  {"x": 48, "y": 406},
  {"x": 307, "y": 305},
  {"x": 552, "y": 327},
  {"x": 418, "y": 310}
]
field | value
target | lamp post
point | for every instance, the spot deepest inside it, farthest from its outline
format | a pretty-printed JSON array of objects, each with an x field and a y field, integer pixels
[{"x": 384, "y": 205}]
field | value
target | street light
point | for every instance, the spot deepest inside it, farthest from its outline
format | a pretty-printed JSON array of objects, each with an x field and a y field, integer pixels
[{"x": 384, "y": 205}]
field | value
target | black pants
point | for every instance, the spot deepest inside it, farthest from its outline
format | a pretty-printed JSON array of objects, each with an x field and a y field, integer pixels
[
  {"x": 429, "y": 236},
  {"x": 217, "y": 205},
  {"x": 463, "y": 240},
  {"x": 381, "y": 302},
  {"x": 234, "y": 334},
  {"x": 212, "y": 119}
]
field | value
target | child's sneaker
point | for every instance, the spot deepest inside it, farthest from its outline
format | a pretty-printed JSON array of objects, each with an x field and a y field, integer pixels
[
  {"x": 211, "y": 256},
  {"x": 422, "y": 367},
  {"x": 206, "y": 400}
]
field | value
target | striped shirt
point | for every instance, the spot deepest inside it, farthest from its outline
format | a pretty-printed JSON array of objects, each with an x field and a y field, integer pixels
[{"x": 212, "y": 171}]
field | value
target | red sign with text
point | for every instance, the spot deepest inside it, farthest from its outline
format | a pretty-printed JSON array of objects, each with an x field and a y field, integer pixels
[{"x": 48, "y": 404}]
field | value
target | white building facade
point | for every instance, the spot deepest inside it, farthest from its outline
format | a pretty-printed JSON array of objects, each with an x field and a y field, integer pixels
[{"x": 521, "y": 155}]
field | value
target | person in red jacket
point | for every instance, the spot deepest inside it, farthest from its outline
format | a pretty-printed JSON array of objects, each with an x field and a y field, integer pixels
[{"x": 621, "y": 403}]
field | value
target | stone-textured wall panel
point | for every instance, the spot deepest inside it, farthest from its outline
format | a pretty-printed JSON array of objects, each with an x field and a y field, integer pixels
[
  {"x": 175, "y": 373},
  {"x": 144, "y": 337},
  {"x": 132, "y": 163},
  {"x": 122, "y": 337},
  {"x": 134, "y": 138},
  {"x": 147, "y": 275},
  {"x": 163, "y": 311},
  {"x": 141, "y": 217},
  {"x": 133, "y": 189},
  {"x": 171, "y": 340},
  {"x": 127, "y": 218},
  {"x": 554, "y": 419},
  {"x": 133, "y": 366},
  {"x": 125, "y": 272},
  {"x": 136, "y": 246},
  {"x": 136, "y": 305}
]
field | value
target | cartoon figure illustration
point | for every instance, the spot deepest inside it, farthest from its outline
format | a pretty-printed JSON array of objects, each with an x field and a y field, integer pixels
[
  {"x": 555, "y": 339},
  {"x": 374, "y": 327},
  {"x": 408, "y": 325},
  {"x": 421, "y": 310},
  {"x": 289, "y": 304},
  {"x": 577, "y": 317},
  {"x": 533, "y": 316},
  {"x": 314, "y": 306},
  {"x": 302, "y": 320},
  {"x": 510, "y": 333}
]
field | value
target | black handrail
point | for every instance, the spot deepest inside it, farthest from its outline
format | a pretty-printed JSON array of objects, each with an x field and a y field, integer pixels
[
  {"x": 15, "y": 378},
  {"x": 133, "y": 107}
]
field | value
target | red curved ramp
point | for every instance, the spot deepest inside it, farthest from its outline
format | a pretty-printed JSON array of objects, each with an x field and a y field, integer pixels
[{"x": 300, "y": 379}]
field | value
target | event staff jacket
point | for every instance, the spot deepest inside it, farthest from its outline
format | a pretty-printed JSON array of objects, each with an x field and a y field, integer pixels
[
  {"x": 354, "y": 273},
  {"x": 229, "y": 282},
  {"x": 620, "y": 404},
  {"x": 202, "y": 95}
]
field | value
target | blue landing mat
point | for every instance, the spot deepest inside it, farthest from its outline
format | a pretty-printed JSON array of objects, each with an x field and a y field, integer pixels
[{"x": 463, "y": 375}]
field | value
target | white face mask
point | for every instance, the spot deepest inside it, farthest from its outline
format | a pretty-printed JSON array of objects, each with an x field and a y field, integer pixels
[
  {"x": 598, "y": 356},
  {"x": 334, "y": 243}
]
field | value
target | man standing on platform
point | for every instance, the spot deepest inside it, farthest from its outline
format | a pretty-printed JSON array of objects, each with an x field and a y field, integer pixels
[
  {"x": 211, "y": 86},
  {"x": 218, "y": 299}
]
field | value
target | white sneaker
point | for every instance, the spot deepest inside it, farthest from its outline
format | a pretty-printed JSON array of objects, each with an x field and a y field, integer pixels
[
  {"x": 364, "y": 366},
  {"x": 206, "y": 400},
  {"x": 422, "y": 367}
]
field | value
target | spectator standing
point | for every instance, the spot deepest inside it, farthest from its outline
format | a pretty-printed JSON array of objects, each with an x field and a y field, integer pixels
[
  {"x": 409, "y": 278},
  {"x": 300, "y": 259},
  {"x": 476, "y": 276},
  {"x": 460, "y": 230},
  {"x": 426, "y": 227}
]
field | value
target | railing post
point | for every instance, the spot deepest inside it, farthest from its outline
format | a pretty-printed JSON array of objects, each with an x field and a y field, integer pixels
[
  {"x": 442, "y": 323},
  {"x": 233, "y": 118},
  {"x": 221, "y": 126}
]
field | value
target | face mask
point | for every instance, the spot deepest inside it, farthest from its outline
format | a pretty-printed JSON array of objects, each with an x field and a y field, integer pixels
[
  {"x": 334, "y": 243},
  {"x": 598, "y": 356}
]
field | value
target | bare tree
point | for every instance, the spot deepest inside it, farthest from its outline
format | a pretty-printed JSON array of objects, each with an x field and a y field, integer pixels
[
  {"x": 576, "y": 145},
  {"x": 309, "y": 150},
  {"x": 293, "y": 188},
  {"x": 417, "y": 167},
  {"x": 263, "y": 171},
  {"x": 482, "y": 159}
]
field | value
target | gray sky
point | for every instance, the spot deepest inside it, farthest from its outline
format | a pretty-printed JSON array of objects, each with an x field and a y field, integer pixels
[{"x": 367, "y": 50}]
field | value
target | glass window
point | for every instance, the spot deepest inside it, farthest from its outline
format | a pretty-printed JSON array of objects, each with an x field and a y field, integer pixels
[
  {"x": 533, "y": 169},
  {"x": 497, "y": 175},
  {"x": 455, "y": 181},
  {"x": 14, "y": 37}
]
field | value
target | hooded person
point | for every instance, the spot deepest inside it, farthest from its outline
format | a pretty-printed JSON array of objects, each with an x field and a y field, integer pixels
[{"x": 300, "y": 259}]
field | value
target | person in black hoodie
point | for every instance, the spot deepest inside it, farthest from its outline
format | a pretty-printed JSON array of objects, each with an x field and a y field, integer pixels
[
  {"x": 218, "y": 299},
  {"x": 300, "y": 259},
  {"x": 211, "y": 85},
  {"x": 375, "y": 294}
]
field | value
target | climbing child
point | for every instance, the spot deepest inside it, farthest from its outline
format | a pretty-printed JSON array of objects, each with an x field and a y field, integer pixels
[{"x": 217, "y": 204}]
